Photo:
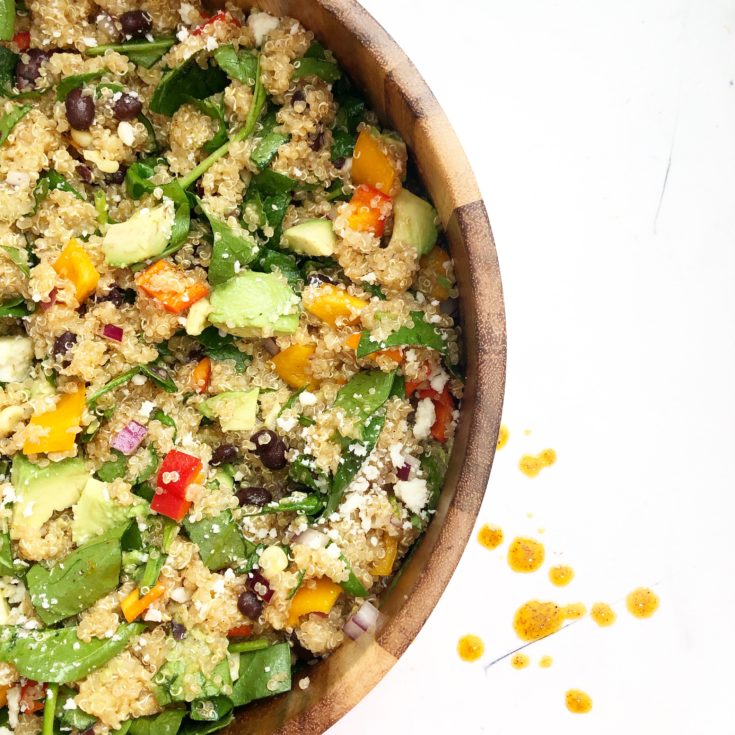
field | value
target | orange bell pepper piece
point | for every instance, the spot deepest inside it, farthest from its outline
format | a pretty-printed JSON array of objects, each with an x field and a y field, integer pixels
[
  {"x": 370, "y": 163},
  {"x": 384, "y": 566},
  {"x": 4, "y": 694},
  {"x": 240, "y": 631},
  {"x": 394, "y": 353},
  {"x": 76, "y": 266},
  {"x": 435, "y": 267},
  {"x": 169, "y": 284},
  {"x": 292, "y": 365},
  {"x": 369, "y": 208},
  {"x": 319, "y": 595},
  {"x": 54, "y": 431},
  {"x": 201, "y": 375},
  {"x": 133, "y": 606},
  {"x": 330, "y": 303}
]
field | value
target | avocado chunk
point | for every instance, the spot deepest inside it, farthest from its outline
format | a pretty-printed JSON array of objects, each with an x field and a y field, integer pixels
[
  {"x": 16, "y": 356},
  {"x": 96, "y": 512},
  {"x": 234, "y": 409},
  {"x": 42, "y": 491},
  {"x": 314, "y": 237},
  {"x": 255, "y": 305},
  {"x": 144, "y": 235},
  {"x": 196, "y": 319},
  {"x": 414, "y": 222}
]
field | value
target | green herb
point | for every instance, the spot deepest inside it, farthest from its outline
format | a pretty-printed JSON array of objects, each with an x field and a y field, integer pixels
[
  {"x": 8, "y": 62},
  {"x": 70, "y": 716},
  {"x": 78, "y": 580},
  {"x": 15, "y": 307},
  {"x": 222, "y": 347},
  {"x": 9, "y": 120},
  {"x": 141, "y": 53},
  {"x": 303, "y": 471},
  {"x": 167, "y": 722},
  {"x": 52, "y": 181},
  {"x": 151, "y": 570},
  {"x": 269, "y": 181},
  {"x": 434, "y": 466},
  {"x": 112, "y": 86},
  {"x": 210, "y": 710},
  {"x": 270, "y": 141},
  {"x": 374, "y": 290},
  {"x": 242, "y": 66},
  {"x": 306, "y": 504},
  {"x": 273, "y": 260},
  {"x": 19, "y": 258},
  {"x": 352, "y": 585},
  {"x": 170, "y": 530},
  {"x": 292, "y": 399},
  {"x": 76, "y": 80},
  {"x": 217, "y": 112},
  {"x": 220, "y": 542},
  {"x": 57, "y": 655},
  {"x": 337, "y": 192},
  {"x": 113, "y": 468},
  {"x": 297, "y": 586},
  {"x": 422, "y": 334},
  {"x": 7, "y": 19},
  {"x": 260, "y": 670},
  {"x": 164, "y": 419},
  {"x": 315, "y": 51},
  {"x": 185, "y": 81},
  {"x": 9, "y": 566},
  {"x": 49, "y": 709},
  {"x": 100, "y": 206},
  {"x": 137, "y": 177},
  {"x": 306, "y": 421},
  {"x": 364, "y": 394},
  {"x": 157, "y": 374},
  {"x": 309, "y": 67},
  {"x": 247, "y": 646},
  {"x": 350, "y": 113}
]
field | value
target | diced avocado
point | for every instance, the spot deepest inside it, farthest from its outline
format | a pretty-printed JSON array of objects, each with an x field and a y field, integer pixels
[
  {"x": 96, "y": 512},
  {"x": 42, "y": 491},
  {"x": 16, "y": 357},
  {"x": 255, "y": 305},
  {"x": 414, "y": 222},
  {"x": 196, "y": 319},
  {"x": 224, "y": 480},
  {"x": 314, "y": 237},
  {"x": 234, "y": 409},
  {"x": 144, "y": 235}
]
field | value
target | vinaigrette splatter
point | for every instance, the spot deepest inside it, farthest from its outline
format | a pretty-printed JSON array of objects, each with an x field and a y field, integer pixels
[
  {"x": 525, "y": 555},
  {"x": 578, "y": 702},
  {"x": 561, "y": 575},
  {"x": 470, "y": 647},
  {"x": 603, "y": 614},
  {"x": 490, "y": 536},
  {"x": 642, "y": 602},
  {"x": 531, "y": 464}
]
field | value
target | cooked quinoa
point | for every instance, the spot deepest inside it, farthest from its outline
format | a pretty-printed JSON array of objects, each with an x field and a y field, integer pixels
[{"x": 228, "y": 365}]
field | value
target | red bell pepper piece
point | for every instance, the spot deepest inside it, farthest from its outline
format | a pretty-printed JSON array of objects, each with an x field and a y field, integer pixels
[
  {"x": 32, "y": 696},
  {"x": 22, "y": 39},
  {"x": 240, "y": 631},
  {"x": 222, "y": 15},
  {"x": 443, "y": 409},
  {"x": 170, "y": 506},
  {"x": 369, "y": 209},
  {"x": 178, "y": 470}
]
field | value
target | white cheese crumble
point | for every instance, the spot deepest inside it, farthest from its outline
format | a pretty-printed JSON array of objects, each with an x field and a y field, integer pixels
[
  {"x": 425, "y": 417},
  {"x": 307, "y": 399},
  {"x": 126, "y": 133},
  {"x": 261, "y": 24},
  {"x": 414, "y": 494}
]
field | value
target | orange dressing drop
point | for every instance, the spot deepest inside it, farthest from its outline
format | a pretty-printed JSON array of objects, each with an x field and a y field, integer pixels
[
  {"x": 603, "y": 614},
  {"x": 561, "y": 575},
  {"x": 503, "y": 435},
  {"x": 490, "y": 536},
  {"x": 525, "y": 555},
  {"x": 536, "y": 619},
  {"x": 575, "y": 611},
  {"x": 578, "y": 701},
  {"x": 520, "y": 661},
  {"x": 545, "y": 662},
  {"x": 642, "y": 602},
  {"x": 470, "y": 647},
  {"x": 530, "y": 465}
]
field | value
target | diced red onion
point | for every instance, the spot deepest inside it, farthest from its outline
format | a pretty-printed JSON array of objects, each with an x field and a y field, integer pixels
[
  {"x": 366, "y": 618},
  {"x": 130, "y": 438},
  {"x": 312, "y": 538},
  {"x": 404, "y": 472},
  {"x": 45, "y": 305},
  {"x": 270, "y": 346},
  {"x": 112, "y": 331}
]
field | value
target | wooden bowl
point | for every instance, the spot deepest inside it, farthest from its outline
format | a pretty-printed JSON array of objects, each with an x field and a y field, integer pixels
[{"x": 401, "y": 98}]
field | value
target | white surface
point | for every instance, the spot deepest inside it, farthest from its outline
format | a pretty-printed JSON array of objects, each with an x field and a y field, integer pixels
[{"x": 620, "y": 336}]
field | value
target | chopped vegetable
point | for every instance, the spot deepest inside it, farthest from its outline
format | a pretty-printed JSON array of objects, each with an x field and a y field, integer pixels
[
  {"x": 444, "y": 411},
  {"x": 369, "y": 209},
  {"x": 370, "y": 164},
  {"x": 222, "y": 347},
  {"x": 353, "y": 342},
  {"x": 76, "y": 266},
  {"x": 187, "y": 80},
  {"x": 49, "y": 709},
  {"x": 331, "y": 304},
  {"x": 171, "y": 286},
  {"x": 318, "y": 595},
  {"x": 10, "y": 119},
  {"x": 7, "y": 19},
  {"x": 435, "y": 267},
  {"x": 142, "y": 53},
  {"x": 128, "y": 439},
  {"x": 201, "y": 375},
  {"x": 242, "y": 65},
  {"x": 56, "y": 430},
  {"x": 133, "y": 606},
  {"x": 421, "y": 334},
  {"x": 365, "y": 619},
  {"x": 113, "y": 332},
  {"x": 292, "y": 365},
  {"x": 220, "y": 542},
  {"x": 364, "y": 394},
  {"x": 262, "y": 674},
  {"x": 384, "y": 567},
  {"x": 177, "y": 471}
]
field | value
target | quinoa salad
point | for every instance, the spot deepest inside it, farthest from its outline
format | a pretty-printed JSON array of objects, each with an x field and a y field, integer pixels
[{"x": 229, "y": 367}]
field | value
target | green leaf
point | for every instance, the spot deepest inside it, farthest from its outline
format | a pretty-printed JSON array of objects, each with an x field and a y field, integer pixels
[
  {"x": 186, "y": 80},
  {"x": 270, "y": 141},
  {"x": 364, "y": 394},
  {"x": 210, "y": 710},
  {"x": 374, "y": 290},
  {"x": 78, "y": 580},
  {"x": 247, "y": 646},
  {"x": 160, "y": 376},
  {"x": 51, "y": 180},
  {"x": 350, "y": 113},
  {"x": 175, "y": 677},
  {"x": 166, "y": 420},
  {"x": 434, "y": 466},
  {"x": 113, "y": 468},
  {"x": 72, "y": 716},
  {"x": 271, "y": 182},
  {"x": 217, "y": 112},
  {"x": 422, "y": 334},
  {"x": 9, "y": 120},
  {"x": 311, "y": 67},
  {"x": 242, "y": 66},
  {"x": 15, "y": 307},
  {"x": 137, "y": 177},
  {"x": 274, "y": 260},
  {"x": 306, "y": 504},
  {"x": 8, "y": 566},
  {"x": 19, "y": 258},
  {"x": 76, "y": 80},
  {"x": 8, "y": 62},
  {"x": 7, "y": 19},
  {"x": 222, "y": 347},
  {"x": 167, "y": 722},
  {"x": 220, "y": 542},
  {"x": 58, "y": 655},
  {"x": 303, "y": 470},
  {"x": 152, "y": 568},
  {"x": 141, "y": 53},
  {"x": 292, "y": 399},
  {"x": 191, "y": 727},
  {"x": 263, "y": 674},
  {"x": 352, "y": 585}
]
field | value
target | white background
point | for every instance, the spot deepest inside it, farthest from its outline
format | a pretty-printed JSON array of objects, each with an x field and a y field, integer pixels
[{"x": 620, "y": 305}]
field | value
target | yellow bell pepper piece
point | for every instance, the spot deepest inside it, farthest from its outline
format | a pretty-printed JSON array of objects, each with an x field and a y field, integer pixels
[
  {"x": 133, "y": 606},
  {"x": 53, "y": 431},
  {"x": 75, "y": 265},
  {"x": 383, "y": 567},
  {"x": 292, "y": 365},
  {"x": 330, "y": 303},
  {"x": 317, "y": 595},
  {"x": 370, "y": 164},
  {"x": 434, "y": 271}
]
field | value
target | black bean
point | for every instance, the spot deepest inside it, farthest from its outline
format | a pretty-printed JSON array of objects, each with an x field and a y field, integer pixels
[
  {"x": 249, "y": 605},
  {"x": 224, "y": 454},
  {"x": 195, "y": 355},
  {"x": 270, "y": 449},
  {"x": 26, "y": 72},
  {"x": 298, "y": 96},
  {"x": 118, "y": 177},
  {"x": 315, "y": 278},
  {"x": 127, "y": 107},
  {"x": 178, "y": 631},
  {"x": 339, "y": 162},
  {"x": 117, "y": 296},
  {"x": 64, "y": 342},
  {"x": 135, "y": 24},
  {"x": 316, "y": 144},
  {"x": 79, "y": 109},
  {"x": 84, "y": 173},
  {"x": 253, "y": 496},
  {"x": 258, "y": 584}
]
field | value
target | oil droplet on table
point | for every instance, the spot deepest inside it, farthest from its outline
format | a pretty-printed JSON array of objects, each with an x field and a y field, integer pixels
[
  {"x": 520, "y": 661},
  {"x": 525, "y": 555},
  {"x": 536, "y": 619},
  {"x": 603, "y": 614},
  {"x": 561, "y": 575},
  {"x": 642, "y": 602},
  {"x": 503, "y": 435},
  {"x": 470, "y": 647},
  {"x": 575, "y": 611},
  {"x": 545, "y": 662},
  {"x": 490, "y": 536},
  {"x": 531, "y": 464},
  {"x": 578, "y": 702}
]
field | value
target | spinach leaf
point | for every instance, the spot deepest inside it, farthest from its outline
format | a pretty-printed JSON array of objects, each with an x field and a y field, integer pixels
[
  {"x": 9, "y": 120},
  {"x": 57, "y": 655},
  {"x": 169, "y": 682},
  {"x": 217, "y": 112},
  {"x": 434, "y": 466},
  {"x": 71, "y": 717},
  {"x": 311, "y": 67},
  {"x": 152, "y": 568},
  {"x": 152, "y": 465},
  {"x": 76, "y": 80},
  {"x": 292, "y": 399},
  {"x": 137, "y": 177},
  {"x": 352, "y": 585},
  {"x": 141, "y": 53},
  {"x": 166, "y": 420},
  {"x": 301, "y": 503},
  {"x": 113, "y": 468},
  {"x": 242, "y": 66},
  {"x": 247, "y": 646},
  {"x": 422, "y": 334},
  {"x": 337, "y": 192},
  {"x": 7, "y": 19},
  {"x": 303, "y": 470},
  {"x": 8, "y": 62},
  {"x": 15, "y": 307},
  {"x": 19, "y": 258},
  {"x": 269, "y": 181},
  {"x": 123, "y": 729},
  {"x": 186, "y": 80},
  {"x": 230, "y": 252},
  {"x": 9, "y": 566},
  {"x": 263, "y": 674},
  {"x": 350, "y": 112},
  {"x": 271, "y": 260},
  {"x": 374, "y": 290},
  {"x": 222, "y": 347},
  {"x": 210, "y": 710},
  {"x": 220, "y": 542},
  {"x": 167, "y": 722},
  {"x": 78, "y": 580},
  {"x": 315, "y": 51},
  {"x": 364, "y": 394},
  {"x": 192, "y": 727},
  {"x": 159, "y": 375},
  {"x": 270, "y": 141},
  {"x": 52, "y": 180}
]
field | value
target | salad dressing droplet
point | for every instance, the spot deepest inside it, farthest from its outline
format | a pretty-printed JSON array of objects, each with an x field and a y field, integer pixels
[
  {"x": 545, "y": 662},
  {"x": 525, "y": 555},
  {"x": 642, "y": 602},
  {"x": 578, "y": 702},
  {"x": 470, "y": 647},
  {"x": 490, "y": 536},
  {"x": 561, "y": 575},
  {"x": 503, "y": 437},
  {"x": 531, "y": 464},
  {"x": 603, "y": 614},
  {"x": 520, "y": 661}
]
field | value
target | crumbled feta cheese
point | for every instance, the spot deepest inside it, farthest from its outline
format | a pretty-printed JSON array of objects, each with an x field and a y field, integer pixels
[
  {"x": 396, "y": 456},
  {"x": 307, "y": 399},
  {"x": 438, "y": 381},
  {"x": 146, "y": 408},
  {"x": 153, "y": 615},
  {"x": 414, "y": 494},
  {"x": 211, "y": 44},
  {"x": 261, "y": 24},
  {"x": 304, "y": 683},
  {"x": 425, "y": 417},
  {"x": 286, "y": 423},
  {"x": 126, "y": 133}
]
